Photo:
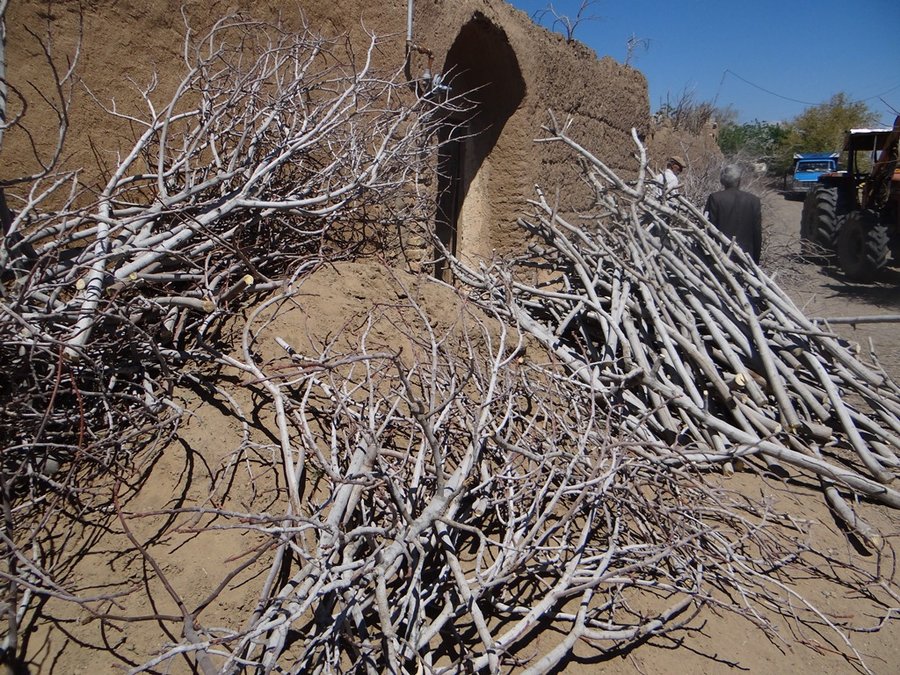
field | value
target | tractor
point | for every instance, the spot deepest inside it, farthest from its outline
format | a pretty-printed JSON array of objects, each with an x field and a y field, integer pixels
[{"x": 854, "y": 214}]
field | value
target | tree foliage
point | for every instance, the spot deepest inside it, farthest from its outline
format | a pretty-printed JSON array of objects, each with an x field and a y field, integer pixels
[
  {"x": 756, "y": 140},
  {"x": 819, "y": 128}
]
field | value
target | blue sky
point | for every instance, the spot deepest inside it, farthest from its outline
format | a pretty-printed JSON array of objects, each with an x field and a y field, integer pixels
[{"x": 754, "y": 55}]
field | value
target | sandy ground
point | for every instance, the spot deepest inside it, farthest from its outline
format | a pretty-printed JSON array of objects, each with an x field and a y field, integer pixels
[{"x": 824, "y": 292}]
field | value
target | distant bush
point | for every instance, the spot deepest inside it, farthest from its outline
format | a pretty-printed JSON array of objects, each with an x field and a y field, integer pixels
[
  {"x": 686, "y": 114},
  {"x": 753, "y": 142}
]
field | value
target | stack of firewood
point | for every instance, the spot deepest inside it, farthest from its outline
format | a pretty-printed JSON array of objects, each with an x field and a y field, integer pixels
[{"x": 692, "y": 346}]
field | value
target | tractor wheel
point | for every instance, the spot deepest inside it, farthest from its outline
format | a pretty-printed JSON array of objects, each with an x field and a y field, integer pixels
[
  {"x": 818, "y": 223},
  {"x": 807, "y": 234},
  {"x": 862, "y": 245}
]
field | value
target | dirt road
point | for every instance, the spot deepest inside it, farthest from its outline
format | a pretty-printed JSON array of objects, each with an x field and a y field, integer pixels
[{"x": 825, "y": 292}]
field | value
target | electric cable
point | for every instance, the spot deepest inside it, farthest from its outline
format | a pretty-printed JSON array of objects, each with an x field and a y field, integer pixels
[{"x": 728, "y": 71}]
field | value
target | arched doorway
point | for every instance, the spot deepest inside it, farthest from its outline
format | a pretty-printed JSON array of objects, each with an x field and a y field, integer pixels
[{"x": 482, "y": 66}]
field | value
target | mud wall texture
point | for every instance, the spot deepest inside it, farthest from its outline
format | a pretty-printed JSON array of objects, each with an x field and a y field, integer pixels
[
  {"x": 696, "y": 149},
  {"x": 517, "y": 72}
]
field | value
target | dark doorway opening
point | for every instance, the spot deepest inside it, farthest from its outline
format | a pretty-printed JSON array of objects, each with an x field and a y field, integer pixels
[
  {"x": 451, "y": 191},
  {"x": 481, "y": 66}
]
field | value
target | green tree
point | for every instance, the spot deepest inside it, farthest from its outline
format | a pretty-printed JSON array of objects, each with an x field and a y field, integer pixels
[
  {"x": 821, "y": 128},
  {"x": 754, "y": 141}
]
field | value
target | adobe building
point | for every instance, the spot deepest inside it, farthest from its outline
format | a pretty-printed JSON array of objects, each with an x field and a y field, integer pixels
[{"x": 517, "y": 71}]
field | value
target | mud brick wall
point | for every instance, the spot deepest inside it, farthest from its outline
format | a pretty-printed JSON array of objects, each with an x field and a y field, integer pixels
[{"x": 517, "y": 71}]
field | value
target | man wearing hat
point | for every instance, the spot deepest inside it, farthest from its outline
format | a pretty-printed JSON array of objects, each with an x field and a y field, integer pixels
[{"x": 668, "y": 180}]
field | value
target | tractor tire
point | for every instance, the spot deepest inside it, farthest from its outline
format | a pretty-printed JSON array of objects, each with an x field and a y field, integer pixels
[
  {"x": 819, "y": 221},
  {"x": 807, "y": 233},
  {"x": 862, "y": 245}
]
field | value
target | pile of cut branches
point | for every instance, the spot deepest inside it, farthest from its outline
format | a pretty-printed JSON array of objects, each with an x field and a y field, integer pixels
[
  {"x": 278, "y": 151},
  {"x": 691, "y": 346},
  {"x": 449, "y": 500},
  {"x": 251, "y": 172},
  {"x": 441, "y": 499}
]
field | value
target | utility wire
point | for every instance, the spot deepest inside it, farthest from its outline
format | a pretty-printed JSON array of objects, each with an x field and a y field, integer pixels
[
  {"x": 795, "y": 100},
  {"x": 887, "y": 91},
  {"x": 768, "y": 91}
]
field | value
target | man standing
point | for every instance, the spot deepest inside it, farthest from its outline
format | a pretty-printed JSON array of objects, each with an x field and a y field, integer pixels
[
  {"x": 667, "y": 181},
  {"x": 736, "y": 213}
]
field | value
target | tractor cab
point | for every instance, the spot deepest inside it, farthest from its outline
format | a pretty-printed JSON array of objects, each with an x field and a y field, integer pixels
[{"x": 872, "y": 165}]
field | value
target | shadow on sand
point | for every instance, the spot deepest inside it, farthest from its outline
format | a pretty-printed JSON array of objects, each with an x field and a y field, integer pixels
[{"x": 883, "y": 292}]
